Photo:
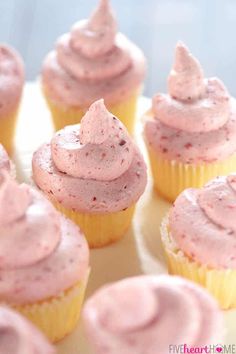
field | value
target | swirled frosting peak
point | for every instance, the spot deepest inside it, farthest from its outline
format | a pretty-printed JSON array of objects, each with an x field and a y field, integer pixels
[
  {"x": 194, "y": 104},
  {"x": 19, "y": 336},
  {"x": 14, "y": 199},
  {"x": 29, "y": 229},
  {"x": 96, "y": 124},
  {"x": 186, "y": 79},
  {"x": 140, "y": 315},
  {"x": 203, "y": 223},
  {"x": 95, "y": 36},
  {"x": 93, "y": 50},
  {"x": 122, "y": 309},
  {"x": 99, "y": 148}
]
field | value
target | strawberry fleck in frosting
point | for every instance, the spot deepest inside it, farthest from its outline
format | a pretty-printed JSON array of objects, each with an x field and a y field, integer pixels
[
  {"x": 196, "y": 121},
  {"x": 91, "y": 167},
  {"x": 203, "y": 223},
  {"x": 41, "y": 252},
  {"x": 93, "y": 61},
  {"x": 140, "y": 315},
  {"x": 11, "y": 79},
  {"x": 19, "y": 336}
]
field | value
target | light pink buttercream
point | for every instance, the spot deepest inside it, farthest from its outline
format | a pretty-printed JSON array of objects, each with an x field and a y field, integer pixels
[
  {"x": 196, "y": 121},
  {"x": 98, "y": 148},
  {"x": 96, "y": 125},
  {"x": 199, "y": 116},
  {"x": 193, "y": 104},
  {"x": 186, "y": 79},
  {"x": 19, "y": 336},
  {"x": 93, "y": 61},
  {"x": 203, "y": 223},
  {"x": 140, "y": 315},
  {"x": 106, "y": 174},
  {"x": 41, "y": 252},
  {"x": 5, "y": 163},
  {"x": 96, "y": 36},
  {"x": 30, "y": 225},
  {"x": 11, "y": 79}
]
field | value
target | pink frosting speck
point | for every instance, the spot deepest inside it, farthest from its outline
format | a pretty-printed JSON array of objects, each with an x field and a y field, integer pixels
[
  {"x": 207, "y": 219},
  {"x": 140, "y": 315}
]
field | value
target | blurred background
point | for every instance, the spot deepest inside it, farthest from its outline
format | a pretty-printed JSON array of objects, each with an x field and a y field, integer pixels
[{"x": 206, "y": 26}]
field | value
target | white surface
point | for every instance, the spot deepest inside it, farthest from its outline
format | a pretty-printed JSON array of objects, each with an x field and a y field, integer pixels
[{"x": 139, "y": 252}]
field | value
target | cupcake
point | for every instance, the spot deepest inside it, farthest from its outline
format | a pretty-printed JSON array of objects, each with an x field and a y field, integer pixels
[
  {"x": 93, "y": 173},
  {"x": 19, "y": 336},
  {"x": 91, "y": 62},
  {"x": 151, "y": 314},
  {"x": 11, "y": 85},
  {"x": 191, "y": 131},
  {"x": 199, "y": 238},
  {"x": 43, "y": 260}
]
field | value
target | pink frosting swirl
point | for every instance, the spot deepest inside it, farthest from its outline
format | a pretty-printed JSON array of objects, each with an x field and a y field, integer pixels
[
  {"x": 11, "y": 79},
  {"x": 117, "y": 320},
  {"x": 186, "y": 79},
  {"x": 33, "y": 226},
  {"x": 37, "y": 243},
  {"x": 96, "y": 36},
  {"x": 196, "y": 120},
  {"x": 203, "y": 223},
  {"x": 18, "y": 336},
  {"x": 92, "y": 167},
  {"x": 90, "y": 60},
  {"x": 98, "y": 148},
  {"x": 194, "y": 105}
]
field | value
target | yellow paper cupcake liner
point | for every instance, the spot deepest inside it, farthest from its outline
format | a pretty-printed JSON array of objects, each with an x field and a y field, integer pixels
[
  {"x": 219, "y": 282},
  {"x": 170, "y": 178},
  {"x": 7, "y": 131},
  {"x": 100, "y": 229},
  {"x": 57, "y": 316},
  {"x": 125, "y": 111}
]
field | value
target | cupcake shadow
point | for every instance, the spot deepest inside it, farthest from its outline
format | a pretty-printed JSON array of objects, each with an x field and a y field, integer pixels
[
  {"x": 147, "y": 229},
  {"x": 114, "y": 262}
]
